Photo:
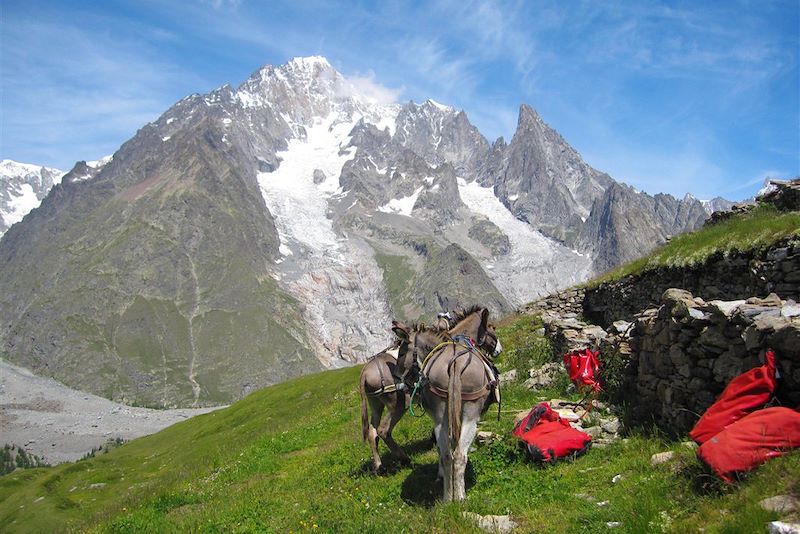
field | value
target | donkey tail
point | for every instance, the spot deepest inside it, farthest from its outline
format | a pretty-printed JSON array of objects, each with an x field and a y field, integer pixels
[
  {"x": 364, "y": 417},
  {"x": 454, "y": 402}
]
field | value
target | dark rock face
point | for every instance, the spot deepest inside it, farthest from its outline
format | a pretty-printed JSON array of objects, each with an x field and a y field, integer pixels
[
  {"x": 140, "y": 283},
  {"x": 625, "y": 224},
  {"x": 545, "y": 182}
]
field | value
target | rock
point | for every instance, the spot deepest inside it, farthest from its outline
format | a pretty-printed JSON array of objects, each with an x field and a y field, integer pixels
[
  {"x": 485, "y": 437},
  {"x": 508, "y": 377},
  {"x": 790, "y": 310},
  {"x": 319, "y": 176},
  {"x": 545, "y": 376},
  {"x": 779, "y": 527},
  {"x": 699, "y": 315},
  {"x": 781, "y": 504},
  {"x": 610, "y": 426},
  {"x": 725, "y": 308},
  {"x": 661, "y": 457},
  {"x": 492, "y": 523},
  {"x": 569, "y": 415},
  {"x": 594, "y": 332},
  {"x": 594, "y": 431},
  {"x": 711, "y": 337},
  {"x": 621, "y": 327}
]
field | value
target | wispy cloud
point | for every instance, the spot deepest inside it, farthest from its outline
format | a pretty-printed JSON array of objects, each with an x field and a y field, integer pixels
[
  {"x": 675, "y": 96},
  {"x": 65, "y": 83}
]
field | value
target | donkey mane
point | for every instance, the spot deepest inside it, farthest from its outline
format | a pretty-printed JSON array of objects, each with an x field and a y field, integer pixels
[
  {"x": 422, "y": 327},
  {"x": 463, "y": 313}
]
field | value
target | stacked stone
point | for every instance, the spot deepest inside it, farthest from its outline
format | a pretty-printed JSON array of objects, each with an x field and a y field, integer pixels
[
  {"x": 729, "y": 277},
  {"x": 568, "y": 332},
  {"x": 569, "y": 301},
  {"x": 687, "y": 350},
  {"x": 783, "y": 194}
]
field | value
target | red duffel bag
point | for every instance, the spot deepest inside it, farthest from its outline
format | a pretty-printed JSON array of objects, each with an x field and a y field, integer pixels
[
  {"x": 751, "y": 441},
  {"x": 746, "y": 393},
  {"x": 548, "y": 437}
]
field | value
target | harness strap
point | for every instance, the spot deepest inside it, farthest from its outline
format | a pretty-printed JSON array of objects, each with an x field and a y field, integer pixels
[{"x": 434, "y": 349}]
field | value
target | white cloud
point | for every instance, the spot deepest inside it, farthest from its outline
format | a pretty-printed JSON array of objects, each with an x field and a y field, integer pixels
[{"x": 367, "y": 87}]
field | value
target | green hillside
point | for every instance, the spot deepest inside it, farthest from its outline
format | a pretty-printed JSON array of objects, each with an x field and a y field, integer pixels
[
  {"x": 753, "y": 231},
  {"x": 289, "y": 458}
]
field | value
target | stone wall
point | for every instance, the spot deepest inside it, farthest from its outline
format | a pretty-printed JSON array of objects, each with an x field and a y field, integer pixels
[
  {"x": 565, "y": 302},
  {"x": 737, "y": 276},
  {"x": 687, "y": 350}
]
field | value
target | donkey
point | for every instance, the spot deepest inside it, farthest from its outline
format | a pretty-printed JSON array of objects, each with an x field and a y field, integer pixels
[
  {"x": 380, "y": 388},
  {"x": 458, "y": 388},
  {"x": 387, "y": 378}
]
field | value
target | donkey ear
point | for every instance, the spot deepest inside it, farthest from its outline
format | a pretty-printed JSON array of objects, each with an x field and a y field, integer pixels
[
  {"x": 400, "y": 330},
  {"x": 483, "y": 326}
]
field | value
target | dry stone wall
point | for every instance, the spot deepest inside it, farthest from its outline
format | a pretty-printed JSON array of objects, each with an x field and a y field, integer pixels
[
  {"x": 668, "y": 352},
  {"x": 687, "y": 350},
  {"x": 732, "y": 277},
  {"x": 565, "y": 302}
]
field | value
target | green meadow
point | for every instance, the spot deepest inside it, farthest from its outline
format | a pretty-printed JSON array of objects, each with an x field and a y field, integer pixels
[{"x": 289, "y": 458}]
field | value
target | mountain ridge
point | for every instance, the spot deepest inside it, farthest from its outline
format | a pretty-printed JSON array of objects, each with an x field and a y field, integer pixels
[{"x": 287, "y": 221}]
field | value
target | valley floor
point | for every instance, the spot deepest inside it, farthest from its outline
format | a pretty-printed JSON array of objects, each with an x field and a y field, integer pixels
[{"x": 60, "y": 424}]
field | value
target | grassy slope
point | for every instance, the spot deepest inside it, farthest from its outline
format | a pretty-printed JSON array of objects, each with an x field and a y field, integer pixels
[
  {"x": 290, "y": 458},
  {"x": 753, "y": 231}
]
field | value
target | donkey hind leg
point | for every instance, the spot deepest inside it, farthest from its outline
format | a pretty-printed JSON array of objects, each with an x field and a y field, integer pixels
[
  {"x": 396, "y": 411},
  {"x": 438, "y": 412},
  {"x": 471, "y": 414},
  {"x": 375, "y": 413}
]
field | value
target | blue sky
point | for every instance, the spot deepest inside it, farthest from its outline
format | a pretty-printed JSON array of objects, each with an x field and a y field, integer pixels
[{"x": 675, "y": 97}]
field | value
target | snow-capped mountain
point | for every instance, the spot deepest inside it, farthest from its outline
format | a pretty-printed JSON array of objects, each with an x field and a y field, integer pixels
[
  {"x": 258, "y": 232},
  {"x": 22, "y": 188}
]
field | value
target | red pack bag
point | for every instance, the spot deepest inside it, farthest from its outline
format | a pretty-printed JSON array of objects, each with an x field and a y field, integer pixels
[
  {"x": 751, "y": 441},
  {"x": 746, "y": 393},
  {"x": 548, "y": 437},
  {"x": 582, "y": 365}
]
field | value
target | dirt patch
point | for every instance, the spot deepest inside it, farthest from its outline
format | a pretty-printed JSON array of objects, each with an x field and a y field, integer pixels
[{"x": 60, "y": 424}]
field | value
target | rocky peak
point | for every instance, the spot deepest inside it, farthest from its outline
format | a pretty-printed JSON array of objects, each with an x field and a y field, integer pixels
[
  {"x": 625, "y": 223},
  {"x": 22, "y": 188}
]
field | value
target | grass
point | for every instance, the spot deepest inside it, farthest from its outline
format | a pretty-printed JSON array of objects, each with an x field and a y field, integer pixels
[
  {"x": 289, "y": 458},
  {"x": 754, "y": 231}
]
